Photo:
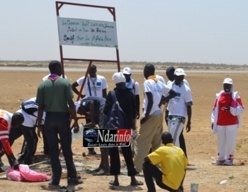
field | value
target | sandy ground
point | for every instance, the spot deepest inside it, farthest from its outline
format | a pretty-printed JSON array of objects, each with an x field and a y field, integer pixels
[{"x": 201, "y": 143}]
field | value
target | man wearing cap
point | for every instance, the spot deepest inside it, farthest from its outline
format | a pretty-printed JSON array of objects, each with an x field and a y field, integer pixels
[
  {"x": 133, "y": 86},
  {"x": 151, "y": 122},
  {"x": 179, "y": 107},
  {"x": 173, "y": 163},
  {"x": 171, "y": 77},
  {"x": 95, "y": 85},
  {"x": 126, "y": 101},
  {"x": 225, "y": 120}
]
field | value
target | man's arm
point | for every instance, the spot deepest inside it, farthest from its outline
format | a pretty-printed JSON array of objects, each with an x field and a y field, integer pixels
[
  {"x": 73, "y": 115},
  {"x": 166, "y": 99},
  {"x": 39, "y": 120},
  {"x": 74, "y": 89},
  {"x": 137, "y": 105},
  {"x": 189, "y": 113},
  {"x": 146, "y": 159},
  {"x": 104, "y": 93},
  {"x": 149, "y": 107}
]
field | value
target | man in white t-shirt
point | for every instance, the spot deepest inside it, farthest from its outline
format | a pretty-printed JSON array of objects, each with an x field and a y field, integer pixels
[
  {"x": 151, "y": 122},
  {"x": 179, "y": 107},
  {"x": 171, "y": 77},
  {"x": 95, "y": 85}
]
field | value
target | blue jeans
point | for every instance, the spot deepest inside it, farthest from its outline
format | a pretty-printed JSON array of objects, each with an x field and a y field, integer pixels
[{"x": 58, "y": 124}]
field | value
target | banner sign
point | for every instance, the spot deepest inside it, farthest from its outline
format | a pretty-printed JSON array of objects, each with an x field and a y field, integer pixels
[
  {"x": 85, "y": 32},
  {"x": 93, "y": 137}
]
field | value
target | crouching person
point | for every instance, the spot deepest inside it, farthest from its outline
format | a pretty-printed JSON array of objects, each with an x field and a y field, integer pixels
[
  {"x": 173, "y": 163},
  {"x": 8, "y": 121}
]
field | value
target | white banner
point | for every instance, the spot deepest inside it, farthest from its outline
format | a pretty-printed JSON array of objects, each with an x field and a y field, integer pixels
[{"x": 84, "y": 32}]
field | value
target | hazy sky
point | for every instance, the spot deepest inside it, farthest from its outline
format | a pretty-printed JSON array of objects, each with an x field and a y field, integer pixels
[{"x": 205, "y": 31}]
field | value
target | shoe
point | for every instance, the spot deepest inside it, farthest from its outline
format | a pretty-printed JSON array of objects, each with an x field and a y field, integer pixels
[
  {"x": 1, "y": 170},
  {"x": 74, "y": 181},
  {"x": 101, "y": 172},
  {"x": 91, "y": 152},
  {"x": 53, "y": 186},
  {"x": 135, "y": 183},
  {"x": 219, "y": 162},
  {"x": 114, "y": 183},
  {"x": 228, "y": 162},
  {"x": 1, "y": 163}
]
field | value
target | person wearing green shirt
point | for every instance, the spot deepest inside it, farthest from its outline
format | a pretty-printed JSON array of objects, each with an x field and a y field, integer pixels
[{"x": 54, "y": 96}]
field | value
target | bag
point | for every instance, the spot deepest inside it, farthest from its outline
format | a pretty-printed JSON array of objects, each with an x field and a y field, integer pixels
[
  {"x": 116, "y": 117},
  {"x": 26, "y": 174},
  {"x": 29, "y": 107}
]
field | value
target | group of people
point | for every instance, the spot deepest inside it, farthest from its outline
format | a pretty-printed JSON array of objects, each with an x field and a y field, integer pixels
[{"x": 53, "y": 111}]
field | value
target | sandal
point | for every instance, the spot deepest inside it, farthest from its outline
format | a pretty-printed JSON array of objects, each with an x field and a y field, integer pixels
[
  {"x": 114, "y": 183},
  {"x": 135, "y": 183}
]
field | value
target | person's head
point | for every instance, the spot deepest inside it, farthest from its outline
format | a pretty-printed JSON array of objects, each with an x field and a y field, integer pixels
[
  {"x": 166, "y": 138},
  {"x": 82, "y": 110},
  {"x": 119, "y": 79},
  {"x": 55, "y": 67},
  {"x": 127, "y": 72},
  {"x": 149, "y": 70},
  {"x": 170, "y": 73},
  {"x": 228, "y": 85},
  {"x": 17, "y": 120},
  {"x": 92, "y": 71},
  {"x": 179, "y": 76}
]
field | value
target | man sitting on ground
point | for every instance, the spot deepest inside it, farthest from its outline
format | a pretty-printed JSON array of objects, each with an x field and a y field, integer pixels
[{"x": 173, "y": 164}]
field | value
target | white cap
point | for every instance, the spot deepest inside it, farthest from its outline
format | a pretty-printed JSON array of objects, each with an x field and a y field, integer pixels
[
  {"x": 127, "y": 71},
  {"x": 179, "y": 72},
  {"x": 118, "y": 77},
  {"x": 228, "y": 81}
]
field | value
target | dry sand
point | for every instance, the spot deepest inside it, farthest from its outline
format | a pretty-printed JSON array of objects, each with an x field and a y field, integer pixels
[{"x": 201, "y": 143}]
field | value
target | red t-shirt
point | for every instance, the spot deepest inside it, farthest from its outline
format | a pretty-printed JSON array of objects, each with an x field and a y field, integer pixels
[{"x": 225, "y": 117}]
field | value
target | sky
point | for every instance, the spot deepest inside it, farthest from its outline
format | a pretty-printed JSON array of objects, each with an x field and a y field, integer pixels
[{"x": 198, "y": 31}]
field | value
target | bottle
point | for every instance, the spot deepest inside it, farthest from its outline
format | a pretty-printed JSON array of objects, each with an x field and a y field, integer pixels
[{"x": 194, "y": 187}]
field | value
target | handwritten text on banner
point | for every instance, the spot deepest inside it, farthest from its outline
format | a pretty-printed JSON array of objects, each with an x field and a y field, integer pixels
[{"x": 84, "y": 32}]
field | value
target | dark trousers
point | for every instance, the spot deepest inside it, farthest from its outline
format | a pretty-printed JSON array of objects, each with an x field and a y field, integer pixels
[
  {"x": 57, "y": 126},
  {"x": 13, "y": 135},
  {"x": 181, "y": 137},
  {"x": 30, "y": 146},
  {"x": 45, "y": 144},
  {"x": 151, "y": 171},
  {"x": 115, "y": 164},
  {"x": 90, "y": 149}
]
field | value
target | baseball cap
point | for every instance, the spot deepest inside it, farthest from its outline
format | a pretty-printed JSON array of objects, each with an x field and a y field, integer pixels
[
  {"x": 228, "y": 81},
  {"x": 127, "y": 71},
  {"x": 118, "y": 77},
  {"x": 179, "y": 72}
]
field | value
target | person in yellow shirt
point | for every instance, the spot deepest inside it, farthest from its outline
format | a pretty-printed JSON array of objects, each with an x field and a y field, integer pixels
[{"x": 173, "y": 163}]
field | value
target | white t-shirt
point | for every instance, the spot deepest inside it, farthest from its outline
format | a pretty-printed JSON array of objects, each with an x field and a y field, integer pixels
[
  {"x": 177, "y": 105},
  {"x": 160, "y": 78},
  {"x": 30, "y": 120},
  {"x": 93, "y": 86},
  {"x": 157, "y": 89},
  {"x": 133, "y": 86}
]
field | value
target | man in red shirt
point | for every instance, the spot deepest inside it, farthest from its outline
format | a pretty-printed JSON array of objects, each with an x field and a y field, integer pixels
[
  {"x": 226, "y": 121},
  {"x": 8, "y": 121}
]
